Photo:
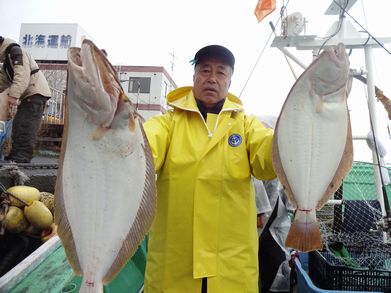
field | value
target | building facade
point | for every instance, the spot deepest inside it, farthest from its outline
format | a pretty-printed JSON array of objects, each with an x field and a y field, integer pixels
[{"x": 147, "y": 87}]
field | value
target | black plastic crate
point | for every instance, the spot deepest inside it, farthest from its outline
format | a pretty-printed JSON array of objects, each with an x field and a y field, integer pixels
[{"x": 330, "y": 273}]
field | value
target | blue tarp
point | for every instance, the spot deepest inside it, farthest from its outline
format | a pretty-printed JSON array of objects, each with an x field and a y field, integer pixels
[{"x": 5, "y": 136}]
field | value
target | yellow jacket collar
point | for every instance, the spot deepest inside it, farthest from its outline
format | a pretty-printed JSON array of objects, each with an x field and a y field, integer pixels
[{"x": 183, "y": 98}]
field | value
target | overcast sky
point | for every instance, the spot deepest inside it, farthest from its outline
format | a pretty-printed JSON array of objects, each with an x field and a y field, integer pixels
[{"x": 145, "y": 32}]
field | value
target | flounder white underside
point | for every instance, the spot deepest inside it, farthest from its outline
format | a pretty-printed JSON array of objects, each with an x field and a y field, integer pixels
[
  {"x": 97, "y": 191},
  {"x": 312, "y": 135}
]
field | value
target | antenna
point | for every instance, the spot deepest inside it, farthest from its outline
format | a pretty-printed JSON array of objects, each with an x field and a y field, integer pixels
[{"x": 172, "y": 62}]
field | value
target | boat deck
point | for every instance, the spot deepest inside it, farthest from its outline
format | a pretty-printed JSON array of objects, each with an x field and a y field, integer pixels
[{"x": 47, "y": 270}]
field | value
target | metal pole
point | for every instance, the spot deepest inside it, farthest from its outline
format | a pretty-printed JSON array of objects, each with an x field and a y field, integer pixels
[
  {"x": 292, "y": 57},
  {"x": 373, "y": 121}
]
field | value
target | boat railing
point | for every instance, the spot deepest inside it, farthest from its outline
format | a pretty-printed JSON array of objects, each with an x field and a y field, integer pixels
[{"x": 54, "y": 112}]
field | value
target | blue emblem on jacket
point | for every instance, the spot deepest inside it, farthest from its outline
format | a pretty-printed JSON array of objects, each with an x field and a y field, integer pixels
[{"x": 235, "y": 140}]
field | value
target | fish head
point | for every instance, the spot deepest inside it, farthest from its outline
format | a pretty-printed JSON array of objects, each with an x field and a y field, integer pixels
[
  {"x": 93, "y": 85},
  {"x": 331, "y": 71}
]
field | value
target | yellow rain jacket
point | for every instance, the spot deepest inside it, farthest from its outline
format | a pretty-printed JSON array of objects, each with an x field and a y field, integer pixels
[{"x": 205, "y": 224}]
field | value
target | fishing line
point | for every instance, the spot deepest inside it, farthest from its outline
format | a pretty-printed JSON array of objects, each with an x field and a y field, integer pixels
[
  {"x": 256, "y": 63},
  {"x": 263, "y": 50}
]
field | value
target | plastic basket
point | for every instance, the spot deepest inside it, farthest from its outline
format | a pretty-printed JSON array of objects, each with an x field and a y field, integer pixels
[{"x": 328, "y": 272}]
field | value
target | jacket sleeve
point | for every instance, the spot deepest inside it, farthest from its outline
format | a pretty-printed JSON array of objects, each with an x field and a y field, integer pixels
[
  {"x": 21, "y": 78},
  {"x": 157, "y": 129},
  {"x": 259, "y": 145}
]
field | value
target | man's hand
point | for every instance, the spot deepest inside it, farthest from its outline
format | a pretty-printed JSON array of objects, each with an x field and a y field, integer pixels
[
  {"x": 260, "y": 221},
  {"x": 12, "y": 101}
]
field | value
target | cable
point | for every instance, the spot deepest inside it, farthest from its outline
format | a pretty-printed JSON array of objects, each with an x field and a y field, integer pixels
[
  {"x": 263, "y": 50},
  {"x": 370, "y": 35},
  {"x": 340, "y": 21}
]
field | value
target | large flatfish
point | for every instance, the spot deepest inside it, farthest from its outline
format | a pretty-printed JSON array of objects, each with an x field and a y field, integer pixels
[
  {"x": 313, "y": 149},
  {"x": 105, "y": 190}
]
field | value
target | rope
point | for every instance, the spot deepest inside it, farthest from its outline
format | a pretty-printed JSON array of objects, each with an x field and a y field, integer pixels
[{"x": 18, "y": 177}]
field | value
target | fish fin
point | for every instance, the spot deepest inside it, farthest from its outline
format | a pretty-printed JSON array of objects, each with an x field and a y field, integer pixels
[
  {"x": 277, "y": 166},
  {"x": 64, "y": 231},
  {"x": 138, "y": 115},
  {"x": 318, "y": 103},
  {"x": 99, "y": 133},
  {"x": 60, "y": 216},
  {"x": 132, "y": 123},
  {"x": 345, "y": 165},
  {"x": 304, "y": 233},
  {"x": 319, "y": 106},
  {"x": 144, "y": 217}
]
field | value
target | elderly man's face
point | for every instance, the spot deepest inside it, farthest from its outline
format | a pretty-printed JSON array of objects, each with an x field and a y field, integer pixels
[{"x": 211, "y": 79}]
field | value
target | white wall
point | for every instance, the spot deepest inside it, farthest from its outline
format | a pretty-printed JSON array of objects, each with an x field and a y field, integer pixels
[{"x": 50, "y": 41}]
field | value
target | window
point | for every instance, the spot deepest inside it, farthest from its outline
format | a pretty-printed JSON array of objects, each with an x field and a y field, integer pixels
[{"x": 140, "y": 85}]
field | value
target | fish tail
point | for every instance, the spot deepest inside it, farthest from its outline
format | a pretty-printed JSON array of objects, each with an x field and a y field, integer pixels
[
  {"x": 304, "y": 233},
  {"x": 87, "y": 286}
]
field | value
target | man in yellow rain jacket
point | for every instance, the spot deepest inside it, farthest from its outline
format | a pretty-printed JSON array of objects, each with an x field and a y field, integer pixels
[{"x": 204, "y": 237}]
